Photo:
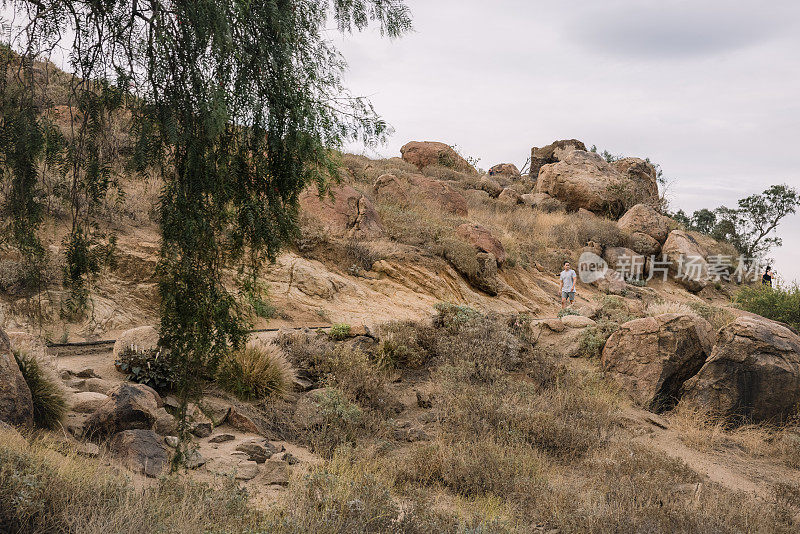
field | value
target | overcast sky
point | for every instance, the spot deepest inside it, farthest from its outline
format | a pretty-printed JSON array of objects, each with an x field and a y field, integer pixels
[{"x": 708, "y": 89}]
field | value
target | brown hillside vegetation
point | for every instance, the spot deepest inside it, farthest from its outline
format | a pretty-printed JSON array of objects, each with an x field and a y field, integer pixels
[{"x": 446, "y": 392}]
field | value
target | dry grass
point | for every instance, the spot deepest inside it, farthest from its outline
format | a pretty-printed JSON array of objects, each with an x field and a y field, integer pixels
[
  {"x": 258, "y": 371},
  {"x": 660, "y": 308}
]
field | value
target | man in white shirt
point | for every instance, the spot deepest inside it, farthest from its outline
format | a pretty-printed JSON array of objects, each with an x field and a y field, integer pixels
[{"x": 568, "y": 277}]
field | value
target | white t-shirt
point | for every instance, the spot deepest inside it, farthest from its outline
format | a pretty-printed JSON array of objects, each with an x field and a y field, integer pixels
[{"x": 568, "y": 279}]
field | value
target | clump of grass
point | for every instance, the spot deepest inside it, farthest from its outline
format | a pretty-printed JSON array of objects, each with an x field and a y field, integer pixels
[
  {"x": 256, "y": 372},
  {"x": 403, "y": 344},
  {"x": 49, "y": 404},
  {"x": 660, "y": 308},
  {"x": 339, "y": 331},
  {"x": 718, "y": 316},
  {"x": 781, "y": 303}
]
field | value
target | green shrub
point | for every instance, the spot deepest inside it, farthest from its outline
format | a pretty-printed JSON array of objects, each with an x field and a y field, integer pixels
[
  {"x": 152, "y": 367},
  {"x": 453, "y": 315},
  {"x": 255, "y": 372},
  {"x": 778, "y": 303},
  {"x": 567, "y": 311},
  {"x": 49, "y": 404},
  {"x": 594, "y": 338},
  {"x": 339, "y": 331}
]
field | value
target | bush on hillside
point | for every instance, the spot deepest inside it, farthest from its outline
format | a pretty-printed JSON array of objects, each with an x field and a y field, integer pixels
[
  {"x": 778, "y": 303},
  {"x": 152, "y": 367},
  {"x": 49, "y": 404},
  {"x": 256, "y": 372}
]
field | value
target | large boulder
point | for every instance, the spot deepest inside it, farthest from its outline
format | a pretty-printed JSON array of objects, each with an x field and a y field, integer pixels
[
  {"x": 344, "y": 212},
  {"x": 626, "y": 262},
  {"x": 652, "y": 357},
  {"x": 646, "y": 220},
  {"x": 585, "y": 180},
  {"x": 753, "y": 373},
  {"x": 491, "y": 186},
  {"x": 140, "y": 339},
  {"x": 510, "y": 196},
  {"x": 424, "y": 153},
  {"x": 128, "y": 407},
  {"x": 644, "y": 244},
  {"x": 16, "y": 404},
  {"x": 509, "y": 170},
  {"x": 643, "y": 177},
  {"x": 483, "y": 240},
  {"x": 552, "y": 153},
  {"x": 687, "y": 260},
  {"x": 140, "y": 451}
]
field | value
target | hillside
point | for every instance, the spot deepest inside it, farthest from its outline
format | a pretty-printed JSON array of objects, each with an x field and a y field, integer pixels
[{"x": 457, "y": 399}]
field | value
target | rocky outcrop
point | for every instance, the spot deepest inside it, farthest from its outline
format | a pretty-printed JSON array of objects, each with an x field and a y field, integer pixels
[
  {"x": 344, "y": 212},
  {"x": 753, "y": 373},
  {"x": 585, "y": 180},
  {"x": 491, "y": 186},
  {"x": 646, "y": 220},
  {"x": 644, "y": 244},
  {"x": 510, "y": 196},
  {"x": 509, "y": 170},
  {"x": 140, "y": 339},
  {"x": 561, "y": 336},
  {"x": 140, "y": 451},
  {"x": 651, "y": 358},
  {"x": 642, "y": 176},
  {"x": 625, "y": 261},
  {"x": 552, "y": 153},
  {"x": 424, "y": 153},
  {"x": 483, "y": 240},
  {"x": 687, "y": 260},
  {"x": 419, "y": 187},
  {"x": 16, "y": 405},
  {"x": 128, "y": 407}
]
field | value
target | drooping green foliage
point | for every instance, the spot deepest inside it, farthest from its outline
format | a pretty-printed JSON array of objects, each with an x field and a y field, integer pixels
[
  {"x": 49, "y": 404},
  {"x": 238, "y": 104},
  {"x": 751, "y": 225}
]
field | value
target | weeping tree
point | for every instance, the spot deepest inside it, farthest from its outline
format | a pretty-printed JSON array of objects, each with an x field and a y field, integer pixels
[{"x": 238, "y": 104}]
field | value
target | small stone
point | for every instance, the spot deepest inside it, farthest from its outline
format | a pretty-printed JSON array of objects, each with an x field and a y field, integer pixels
[
  {"x": 97, "y": 385},
  {"x": 289, "y": 458},
  {"x": 276, "y": 472},
  {"x": 257, "y": 451},
  {"x": 75, "y": 383},
  {"x": 217, "y": 411},
  {"x": 172, "y": 441},
  {"x": 165, "y": 424},
  {"x": 87, "y": 401},
  {"x": 65, "y": 374},
  {"x": 86, "y": 373},
  {"x": 241, "y": 421},
  {"x": 201, "y": 430},
  {"x": 194, "y": 459},
  {"x": 222, "y": 438},
  {"x": 240, "y": 468},
  {"x": 301, "y": 384}
]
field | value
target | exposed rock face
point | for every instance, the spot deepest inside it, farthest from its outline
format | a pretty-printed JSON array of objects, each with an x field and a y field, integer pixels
[
  {"x": 505, "y": 169},
  {"x": 424, "y": 153},
  {"x": 417, "y": 186},
  {"x": 625, "y": 261},
  {"x": 644, "y": 244},
  {"x": 482, "y": 239},
  {"x": 552, "y": 153},
  {"x": 439, "y": 193},
  {"x": 87, "y": 401},
  {"x": 584, "y": 180},
  {"x": 653, "y": 357},
  {"x": 141, "y": 338},
  {"x": 644, "y": 219},
  {"x": 561, "y": 336},
  {"x": 509, "y": 196},
  {"x": 345, "y": 212},
  {"x": 753, "y": 373},
  {"x": 643, "y": 177},
  {"x": 491, "y": 186},
  {"x": 687, "y": 260},
  {"x": 140, "y": 450},
  {"x": 128, "y": 407},
  {"x": 16, "y": 405}
]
